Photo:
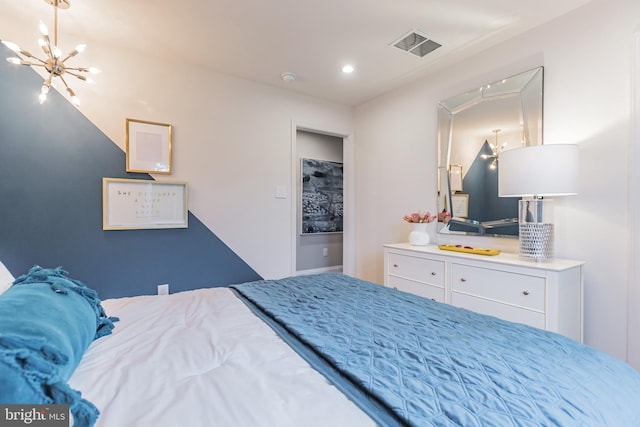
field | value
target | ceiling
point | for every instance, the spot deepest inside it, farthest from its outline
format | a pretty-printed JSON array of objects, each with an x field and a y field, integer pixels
[{"x": 260, "y": 40}]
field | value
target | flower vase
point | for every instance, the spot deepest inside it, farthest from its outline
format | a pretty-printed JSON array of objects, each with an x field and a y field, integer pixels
[{"x": 419, "y": 236}]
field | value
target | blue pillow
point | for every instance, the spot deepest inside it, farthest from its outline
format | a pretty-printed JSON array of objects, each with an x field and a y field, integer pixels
[{"x": 47, "y": 321}]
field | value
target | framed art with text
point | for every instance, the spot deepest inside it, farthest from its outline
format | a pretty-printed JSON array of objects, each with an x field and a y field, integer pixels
[
  {"x": 460, "y": 205},
  {"x": 129, "y": 204}
]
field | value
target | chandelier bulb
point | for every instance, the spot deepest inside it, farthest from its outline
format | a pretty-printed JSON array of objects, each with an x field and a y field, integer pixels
[
  {"x": 43, "y": 29},
  {"x": 94, "y": 70},
  {"x": 42, "y": 97},
  {"x": 74, "y": 97},
  {"x": 80, "y": 48},
  {"x": 14, "y": 60},
  {"x": 57, "y": 53},
  {"x": 14, "y": 47}
]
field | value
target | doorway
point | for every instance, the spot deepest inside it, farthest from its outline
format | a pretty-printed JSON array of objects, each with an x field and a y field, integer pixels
[{"x": 320, "y": 241}]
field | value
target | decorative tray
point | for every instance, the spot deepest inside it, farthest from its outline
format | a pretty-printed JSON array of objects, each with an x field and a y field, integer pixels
[{"x": 469, "y": 250}]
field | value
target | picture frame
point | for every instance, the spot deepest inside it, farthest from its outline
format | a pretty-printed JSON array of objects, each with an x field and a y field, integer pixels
[
  {"x": 455, "y": 178},
  {"x": 322, "y": 185},
  {"x": 132, "y": 204},
  {"x": 148, "y": 147},
  {"x": 460, "y": 205}
]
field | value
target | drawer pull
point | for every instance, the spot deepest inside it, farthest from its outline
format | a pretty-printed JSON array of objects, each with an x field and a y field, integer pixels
[
  {"x": 433, "y": 273},
  {"x": 462, "y": 279},
  {"x": 395, "y": 265},
  {"x": 525, "y": 293}
]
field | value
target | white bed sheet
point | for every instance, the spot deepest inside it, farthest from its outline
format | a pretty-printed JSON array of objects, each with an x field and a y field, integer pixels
[
  {"x": 6, "y": 278},
  {"x": 202, "y": 358}
]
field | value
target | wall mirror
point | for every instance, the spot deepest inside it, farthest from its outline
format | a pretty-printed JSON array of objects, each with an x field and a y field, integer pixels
[{"x": 473, "y": 129}]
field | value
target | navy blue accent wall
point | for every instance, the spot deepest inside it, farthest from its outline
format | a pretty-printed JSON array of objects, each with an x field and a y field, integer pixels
[
  {"x": 52, "y": 161},
  {"x": 481, "y": 183}
]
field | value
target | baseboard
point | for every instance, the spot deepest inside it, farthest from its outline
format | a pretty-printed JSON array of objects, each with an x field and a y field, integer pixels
[{"x": 332, "y": 269}]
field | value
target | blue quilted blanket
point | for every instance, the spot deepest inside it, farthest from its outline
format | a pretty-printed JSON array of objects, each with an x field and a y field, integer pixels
[{"x": 406, "y": 360}]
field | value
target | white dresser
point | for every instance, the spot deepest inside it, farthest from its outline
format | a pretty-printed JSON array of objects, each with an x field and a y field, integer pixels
[{"x": 547, "y": 295}]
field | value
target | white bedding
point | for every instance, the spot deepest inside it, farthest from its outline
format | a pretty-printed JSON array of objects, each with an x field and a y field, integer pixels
[
  {"x": 201, "y": 358},
  {"x": 6, "y": 278}
]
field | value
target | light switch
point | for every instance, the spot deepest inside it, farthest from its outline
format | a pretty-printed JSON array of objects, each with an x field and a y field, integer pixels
[{"x": 281, "y": 192}]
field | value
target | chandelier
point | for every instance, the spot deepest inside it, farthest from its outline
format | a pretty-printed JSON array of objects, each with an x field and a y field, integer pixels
[
  {"x": 54, "y": 62},
  {"x": 495, "y": 151}
]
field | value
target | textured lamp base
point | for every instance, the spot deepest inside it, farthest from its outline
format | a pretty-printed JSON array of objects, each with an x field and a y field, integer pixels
[{"x": 536, "y": 241}]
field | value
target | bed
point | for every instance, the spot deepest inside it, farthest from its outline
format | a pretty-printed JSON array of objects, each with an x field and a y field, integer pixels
[{"x": 329, "y": 349}]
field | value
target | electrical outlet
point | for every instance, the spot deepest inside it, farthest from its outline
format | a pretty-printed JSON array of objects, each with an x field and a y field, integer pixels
[
  {"x": 325, "y": 252},
  {"x": 163, "y": 289}
]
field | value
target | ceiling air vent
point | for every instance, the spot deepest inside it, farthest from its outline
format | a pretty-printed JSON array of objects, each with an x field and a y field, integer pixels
[{"x": 416, "y": 43}]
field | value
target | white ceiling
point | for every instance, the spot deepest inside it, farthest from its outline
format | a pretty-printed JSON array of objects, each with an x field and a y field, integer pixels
[{"x": 261, "y": 39}]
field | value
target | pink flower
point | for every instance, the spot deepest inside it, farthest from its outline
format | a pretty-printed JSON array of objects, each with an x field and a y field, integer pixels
[
  {"x": 444, "y": 217},
  {"x": 420, "y": 217}
]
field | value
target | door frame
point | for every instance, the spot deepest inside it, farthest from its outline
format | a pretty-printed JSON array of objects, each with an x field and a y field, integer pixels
[
  {"x": 633, "y": 291},
  {"x": 348, "y": 235}
]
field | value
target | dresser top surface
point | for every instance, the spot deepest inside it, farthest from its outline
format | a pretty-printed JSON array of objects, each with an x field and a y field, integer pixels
[{"x": 556, "y": 264}]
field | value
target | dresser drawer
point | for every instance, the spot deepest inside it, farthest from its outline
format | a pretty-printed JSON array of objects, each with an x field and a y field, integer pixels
[
  {"x": 501, "y": 286},
  {"x": 435, "y": 293},
  {"x": 500, "y": 310},
  {"x": 415, "y": 268}
]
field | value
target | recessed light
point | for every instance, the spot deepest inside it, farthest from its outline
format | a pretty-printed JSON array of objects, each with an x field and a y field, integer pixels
[{"x": 348, "y": 69}]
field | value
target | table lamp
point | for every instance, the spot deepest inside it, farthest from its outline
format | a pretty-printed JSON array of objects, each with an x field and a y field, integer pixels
[{"x": 533, "y": 173}]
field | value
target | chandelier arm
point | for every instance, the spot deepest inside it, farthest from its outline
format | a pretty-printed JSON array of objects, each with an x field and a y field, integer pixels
[
  {"x": 21, "y": 52},
  {"x": 40, "y": 60},
  {"x": 78, "y": 76},
  {"x": 25, "y": 62},
  {"x": 78, "y": 69},
  {"x": 64, "y": 82},
  {"x": 25, "y": 53},
  {"x": 45, "y": 44}
]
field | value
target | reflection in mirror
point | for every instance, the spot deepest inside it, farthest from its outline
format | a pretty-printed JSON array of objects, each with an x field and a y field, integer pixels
[{"x": 473, "y": 129}]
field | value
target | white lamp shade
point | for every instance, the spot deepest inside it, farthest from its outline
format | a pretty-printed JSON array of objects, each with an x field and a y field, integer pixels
[{"x": 540, "y": 170}]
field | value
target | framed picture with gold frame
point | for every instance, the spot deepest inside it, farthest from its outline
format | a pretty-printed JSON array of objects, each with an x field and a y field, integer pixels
[
  {"x": 455, "y": 177},
  {"x": 148, "y": 147}
]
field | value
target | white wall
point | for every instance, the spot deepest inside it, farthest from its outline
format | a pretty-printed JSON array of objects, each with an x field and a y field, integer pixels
[
  {"x": 232, "y": 144},
  {"x": 586, "y": 55}
]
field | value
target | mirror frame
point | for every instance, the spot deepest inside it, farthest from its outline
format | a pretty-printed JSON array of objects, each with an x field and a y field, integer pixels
[{"x": 525, "y": 91}]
